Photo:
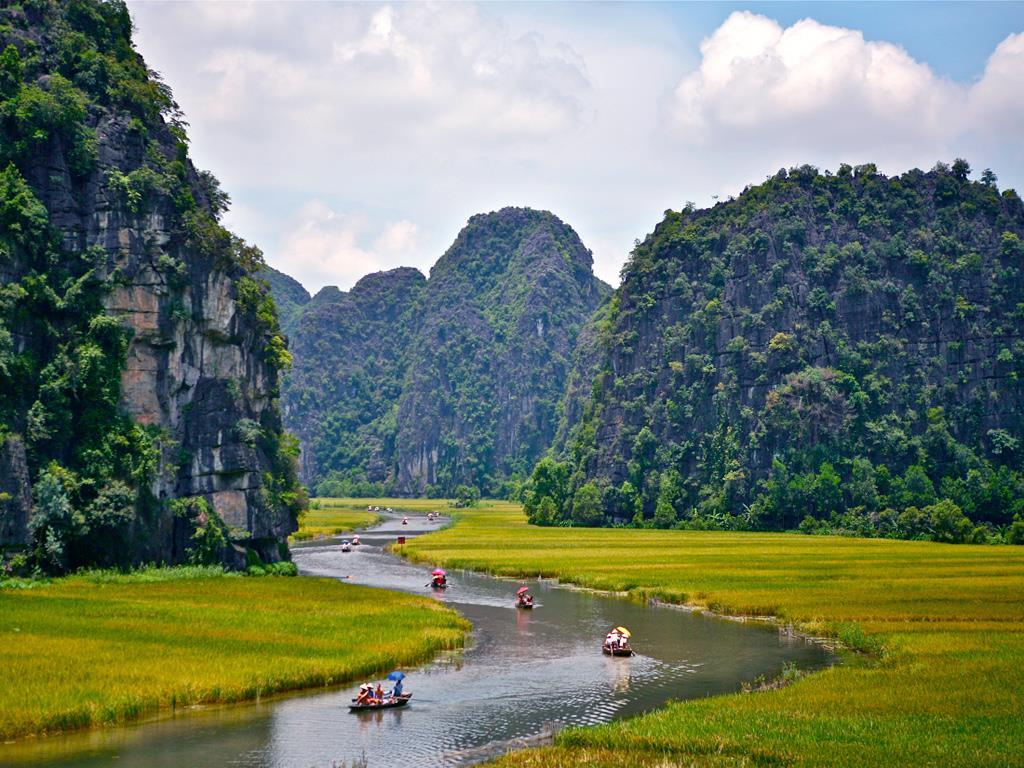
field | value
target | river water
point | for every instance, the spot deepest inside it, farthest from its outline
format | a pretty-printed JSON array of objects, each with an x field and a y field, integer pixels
[{"x": 523, "y": 674}]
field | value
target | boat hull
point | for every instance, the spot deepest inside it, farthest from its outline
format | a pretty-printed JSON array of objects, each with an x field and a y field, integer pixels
[
  {"x": 616, "y": 651},
  {"x": 400, "y": 701}
]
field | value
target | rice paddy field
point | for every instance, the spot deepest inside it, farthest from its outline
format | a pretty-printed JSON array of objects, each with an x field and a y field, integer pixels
[
  {"x": 942, "y": 684},
  {"x": 330, "y": 517},
  {"x": 100, "y": 649}
]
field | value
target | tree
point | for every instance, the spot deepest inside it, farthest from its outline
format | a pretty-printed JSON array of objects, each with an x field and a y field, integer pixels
[
  {"x": 466, "y": 496},
  {"x": 550, "y": 480},
  {"x": 586, "y": 505},
  {"x": 918, "y": 489},
  {"x": 828, "y": 496},
  {"x": 544, "y": 513},
  {"x": 669, "y": 492},
  {"x": 862, "y": 488},
  {"x": 949, "y": 524},
  {"x": 55, "y": 524}
]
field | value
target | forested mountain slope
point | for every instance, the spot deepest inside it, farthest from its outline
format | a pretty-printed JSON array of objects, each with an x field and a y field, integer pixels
[
  {"x": 350, "y": 352},
  {"x": 498, "y": 325},
  {"x": 139, "y": 359},
  {"x": 841, "y": 347},
  {"x": 410, "y": 385},
  {"x": 289, "y": 296}
]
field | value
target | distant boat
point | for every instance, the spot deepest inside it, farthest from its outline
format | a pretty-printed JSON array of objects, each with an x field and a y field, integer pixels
[{"x": 345, "y": 546}]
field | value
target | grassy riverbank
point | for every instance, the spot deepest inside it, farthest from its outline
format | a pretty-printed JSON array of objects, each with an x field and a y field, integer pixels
[
  {"x": 330, "y": 517},
  {"x": 89, "y": 650},
  {"x": 947, "y": 621}
]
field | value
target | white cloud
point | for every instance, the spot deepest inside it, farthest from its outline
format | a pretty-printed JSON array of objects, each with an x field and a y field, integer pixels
[
  {"x": 816, "y": 86},
  {"x": 324, "y": 247},
  {"x": 403, "y": 120},
  {"x": 995, "y": 100}
]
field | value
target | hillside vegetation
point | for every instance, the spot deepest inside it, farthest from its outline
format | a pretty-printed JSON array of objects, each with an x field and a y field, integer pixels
[
  {"x": 944, "y": 627},
  {"x": 414, "y": 386},
  {"x": 839, "y": 352},
  {"x": 139, "y": 358}
]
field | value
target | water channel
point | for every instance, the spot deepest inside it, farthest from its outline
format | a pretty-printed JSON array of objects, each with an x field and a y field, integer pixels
[{"x": 523, "y": 674}]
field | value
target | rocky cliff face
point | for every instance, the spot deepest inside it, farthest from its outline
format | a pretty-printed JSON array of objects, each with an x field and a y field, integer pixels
[
  {"x": 350, "y": 360},
  {"x": 405, "y": 385},
  {"x": 818, "y": 328},
  {"x": 135, "y": 225},
  {"x": 498, "y": 325}
]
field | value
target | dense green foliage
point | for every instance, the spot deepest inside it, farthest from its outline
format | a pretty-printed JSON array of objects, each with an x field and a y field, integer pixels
[
  {"x": 835, "y": 352},
  {"x": 60, "y": 354},
  {"x": 65, "y": 70},
  {"x": 341, "y": 397},
  {"x": 289, "y": 296},
  {"x": 412, "y": 386}
]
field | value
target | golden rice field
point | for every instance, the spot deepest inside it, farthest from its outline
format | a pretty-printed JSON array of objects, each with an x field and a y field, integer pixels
[
  {"x": 329, "y": 518},
  {"x": 91, "y": 650},
  {"x": 407, "y": 505},
  {"x": 946, "y": 687}
]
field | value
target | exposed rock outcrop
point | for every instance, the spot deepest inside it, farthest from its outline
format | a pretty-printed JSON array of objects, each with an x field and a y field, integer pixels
[
  {"x": 15, "y": 493},
  {"x": 406, "y": 385},
  {"x": 201, "y": 366}
]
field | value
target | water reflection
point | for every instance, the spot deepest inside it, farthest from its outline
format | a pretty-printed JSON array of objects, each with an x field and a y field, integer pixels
[{"x": 524, "y": 672}]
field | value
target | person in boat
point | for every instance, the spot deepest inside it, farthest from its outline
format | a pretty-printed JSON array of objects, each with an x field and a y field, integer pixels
[
  {"x": 378, "y": 694},
  {"x": 612, "y": 639},
  {"x": 365, "y": 695},
  {"x": 440, "y": 581},
  {"x": 526, "y": 599},
  {"x": 397, "y": 690}
]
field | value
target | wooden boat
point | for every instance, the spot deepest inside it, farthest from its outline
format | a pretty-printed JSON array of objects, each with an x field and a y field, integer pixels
[
  {"x": 616, "y": 650},
  {"x": 398, "y": 701},
  {"x": 525, "y": 606}
]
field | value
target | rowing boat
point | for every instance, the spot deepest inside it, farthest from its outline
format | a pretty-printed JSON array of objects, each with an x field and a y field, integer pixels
[
  {"x": 627, "y": 651},
  {"x": 397, "y": 701}
]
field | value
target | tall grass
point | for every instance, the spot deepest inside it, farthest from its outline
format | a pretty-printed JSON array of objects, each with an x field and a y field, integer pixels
[
  {"x": 94, "y": 649},
  {"x": 326, "y": 517},
  {"x": 946, "y": 624}
]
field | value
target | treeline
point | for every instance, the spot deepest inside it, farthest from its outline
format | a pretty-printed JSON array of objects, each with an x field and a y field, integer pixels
[{"x": 986, "y": 506}]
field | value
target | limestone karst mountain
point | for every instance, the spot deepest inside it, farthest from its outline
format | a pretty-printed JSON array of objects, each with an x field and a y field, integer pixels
[
  {"x": 411, "y": 385},
  {"x": 839, "y": 349},
  {"x": 139, "y": 358}
]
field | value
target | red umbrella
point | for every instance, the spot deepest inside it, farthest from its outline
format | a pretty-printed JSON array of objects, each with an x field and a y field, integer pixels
[
  {"x": 438, "y": 572},
  {"x": 521, "y": 590}
]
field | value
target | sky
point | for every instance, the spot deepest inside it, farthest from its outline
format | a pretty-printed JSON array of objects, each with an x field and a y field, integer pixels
[{"x": 356, "y": 137}]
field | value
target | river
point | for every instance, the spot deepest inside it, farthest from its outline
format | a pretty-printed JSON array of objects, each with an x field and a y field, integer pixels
[{"x": 524, "y": 674}]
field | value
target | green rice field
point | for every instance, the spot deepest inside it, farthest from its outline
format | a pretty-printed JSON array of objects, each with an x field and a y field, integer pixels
[
  {"x": 330, "y": 517},
  {"x": 942, "y": 684},
  {"x": 100, "y": 649}
]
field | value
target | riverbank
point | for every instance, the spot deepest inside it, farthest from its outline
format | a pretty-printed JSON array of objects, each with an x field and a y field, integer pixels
[
  {"x": 946, "y": 623},
  {"x": 330, "y": 517},
  {"x": 103, "y": 649}
]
